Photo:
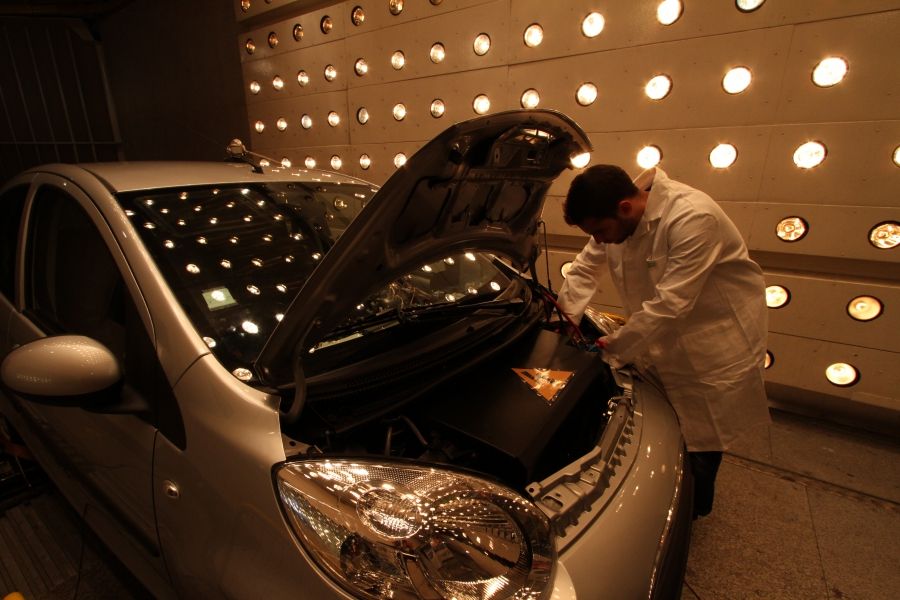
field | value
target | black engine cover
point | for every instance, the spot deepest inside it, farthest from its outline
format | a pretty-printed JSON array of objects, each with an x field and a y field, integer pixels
[{"x": 519, "y": 429}]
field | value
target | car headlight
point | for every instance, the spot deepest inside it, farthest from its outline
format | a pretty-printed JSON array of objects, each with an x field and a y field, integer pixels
[{"x": 407, "y": 531}]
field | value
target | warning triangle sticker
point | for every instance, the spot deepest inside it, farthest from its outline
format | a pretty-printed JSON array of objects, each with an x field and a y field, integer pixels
[{"x": 546, "y": 383}]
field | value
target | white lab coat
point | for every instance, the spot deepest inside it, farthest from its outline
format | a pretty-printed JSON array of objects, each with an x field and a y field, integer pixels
[{"x": 696, "y": 310}]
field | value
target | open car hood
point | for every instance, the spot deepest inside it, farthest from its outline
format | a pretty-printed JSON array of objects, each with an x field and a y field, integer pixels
[{"x": 478, "y": 186}]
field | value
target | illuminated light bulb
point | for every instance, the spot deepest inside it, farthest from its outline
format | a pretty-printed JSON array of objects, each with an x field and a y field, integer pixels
[
  {"x": 225, "y": 263},
  {"x": 257, "y": 262},
  {"x": 281, "y": 124},
  {"x": 864, "y": 308},
  {"x": 297, "y": 32},
  {"x": 658, "y": 87},
  {"x": 437, "y": 108},
  {"x": 250, "y": 327},
  {"x": 398, "y": 59},
  {"x": 399, "y": 159},
  {"x": 326, "y": 24},
  {"x": 396, "y": 7},
  {"x": 315, "y": 256},
  {"x": 249, "y": 46},
  {"x": 281, "y": 288},
  {"x": 245, "y": 6},
  {"x": 579, "y": 161},
  {"x": 470, "y": 256},
  {"x": 286, "y": 162},
  {"x": 830, "y": 71},
  {"x": 482, "y": 44},
  {"x": 399, "y": 112},
  {"x": 737, "y": 80},
  {"x": 309, "y": 162},
  {"x": 565, "y": 268},
  {"x": 129, "y": 212},
  {"x": 723, "y": 156},
  {"x": 362, "y": 115},
  {"x": 248, "y": 218},
  {"x": 340, "y": 204},
  {"x": 777, "y": 296},
  {"x": 242, "y": 373},
  {"x": 495, "y": 286},
  {"x": 255, "y": 87},
  {"x": 183, "y": 196},
  {"x": 530, "y": 98},
  {"x": 748, "y": 5},
  {"x": 330, "y": 73},
  {"x": 361, "y": 67},
  {"x": 211, "y": 343},
  {"x": 769, "y": 360},
  {"x": 365, "y": 162},
  {"x": 181, "y": 222},
  {"x": 169, "y": 244},
  {"x": 192, "y": 268},
  {"x": 437, "y": 53},
  {"x": 586, "y": 94},
  {"x": 336, "y": 162},
  {"x": 534, "y": 35},
  {"x": 896, "y": 156},
  {"x": 885, "y": 236},
  {"x": 272, "y": 39},
  {"x": 306, "y": 122},
  {"x": 279, "y": 317},
  {"x": 302, "y": 78},
  {"x": 481, "y": 104},
  {"x": 213, "y": 221},
  {"x": 264, "y": 162},
  {"x": 427, "y": 268},
  {"x": 649, "y": 156},
  {"x": 253, "y": 290},
  {"x": 201, "y": 240},
  {"x": 809, "y": 155},
  {"x": 334, "y": 119},
  {"x": 842, "y": 374},
  {"x": 449, "y": 260},
  {"x": 358, "y": 16},
  {"x": 593, "y": 24},
  {"x": 791, "y": 229},
  {"x": 289, "y": 258},
  {"x": 669, "y": 11},
  {"x": 259, "y": 126}
]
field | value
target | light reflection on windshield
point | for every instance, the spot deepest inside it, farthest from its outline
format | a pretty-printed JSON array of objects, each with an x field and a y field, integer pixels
[{"x": 235, "y": 258}]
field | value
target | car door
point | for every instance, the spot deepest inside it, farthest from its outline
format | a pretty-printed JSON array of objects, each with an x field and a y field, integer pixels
[{"x": 99, "y": 449}]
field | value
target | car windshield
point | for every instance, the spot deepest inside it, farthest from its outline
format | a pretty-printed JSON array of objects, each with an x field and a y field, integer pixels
[{"x": 235, "y": 257}]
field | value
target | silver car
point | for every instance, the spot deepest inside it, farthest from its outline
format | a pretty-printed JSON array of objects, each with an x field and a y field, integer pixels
[{"x": 256, "y": 382}]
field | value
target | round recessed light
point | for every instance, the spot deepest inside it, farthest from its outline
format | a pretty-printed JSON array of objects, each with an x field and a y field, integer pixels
[
  {"x": 842, "y": 374},
  {"x": 330, "y": 73},
  {"x": 482, "y": 44},
  {"x": 306, "y": 122},
  {"x": 669, "y": 11},
  {"x": 297, "y": 32},
  {"x": 272, "y": 39},
  {"x": 748, "y": 5},
  {"x": 278, "y": 83},
  {"x": 437, "y": 108},
  {"x": 658, "y": 87},
  {"x": 396, "y": 7},
  {"x": 809, "y": 155},
  {"x": 302, "y": 78},
  {"x": 255, "y": 87},
  {"x": 437, "y": 53},
  {"x": 358, "y": 16},
  {"x": 530, "y": 98},
  {"x": 586, "y": 94},
  {"x": 361, "y": 67},
  {"x": 334, "y": 119},
  {"x": 769, "y": 360},
  {"x": 885, "y": 236},
  {"x": 362, "y": 115},
  {"x": 399, "y": 111},
  {"x": 649, "y": 156},
  {"x": 326, "y": 24},
  {"x": 534, "y": 35},
  {"x": 777, "y": 296},
  {"x": 249, "y": 46},
  {"x": 281, "y": 124},
  {"x": 336, "y": 162},
  {"x": 579, "y": 161},
  {"x": 310, "y": 162},
  {"x": 791, "y": 229},
  {"x": 364, "y": 161},
  {"x": 737, "y": 80},
  {"x": 830, "y": 71},
  {"x": 481, "y": 104},
  {"x": 399, "y": 159},
  {"x": 398, "y": 59},
  {"x": 259, "y": 126},
  {"x": 593, "y": 24},
  {"x": 564, "y": 268},
  {"x": 864, "y": 308},
  {"x": 723, "y": 156}
]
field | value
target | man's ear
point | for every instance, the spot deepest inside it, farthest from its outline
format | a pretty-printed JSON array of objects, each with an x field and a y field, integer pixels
[{"x": 625, "y": 208}]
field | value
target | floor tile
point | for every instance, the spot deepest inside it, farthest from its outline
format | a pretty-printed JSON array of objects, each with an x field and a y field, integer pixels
[
  {"x": 757, "y": 543},
  {"x": 859, "y": 545},
  {"x": 852, "y": 459}
]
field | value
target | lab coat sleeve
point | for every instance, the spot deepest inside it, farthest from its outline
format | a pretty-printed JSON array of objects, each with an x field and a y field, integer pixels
[
  {"x": 695, "y": 247},
  {"x": 582, "y": 280}
]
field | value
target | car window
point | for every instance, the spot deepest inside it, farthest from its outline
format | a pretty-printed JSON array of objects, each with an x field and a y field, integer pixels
[
  {"x": 11, "y": 205},
  {"x": 73, "y": 286},
  {"x": 236, "y": 256}
]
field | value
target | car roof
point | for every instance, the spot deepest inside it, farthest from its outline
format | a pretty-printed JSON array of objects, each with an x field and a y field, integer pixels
[{"x": 144, "y": 175}]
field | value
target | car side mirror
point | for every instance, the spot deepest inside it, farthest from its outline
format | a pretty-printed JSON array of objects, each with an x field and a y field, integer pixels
[{"x": 60, "y": 370}]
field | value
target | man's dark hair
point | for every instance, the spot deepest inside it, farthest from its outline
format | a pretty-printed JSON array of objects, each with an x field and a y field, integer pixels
[{"x": 596, "y": 193}]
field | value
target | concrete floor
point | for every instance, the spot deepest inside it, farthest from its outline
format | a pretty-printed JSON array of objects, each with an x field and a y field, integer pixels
[{"x": 805, "y": 511}]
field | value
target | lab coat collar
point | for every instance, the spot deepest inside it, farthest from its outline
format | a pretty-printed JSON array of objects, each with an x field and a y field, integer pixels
[{"x": 651, "y": 178}]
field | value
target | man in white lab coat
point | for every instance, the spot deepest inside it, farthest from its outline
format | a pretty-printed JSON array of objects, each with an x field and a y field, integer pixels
[{"x": 694, "y": 299}]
